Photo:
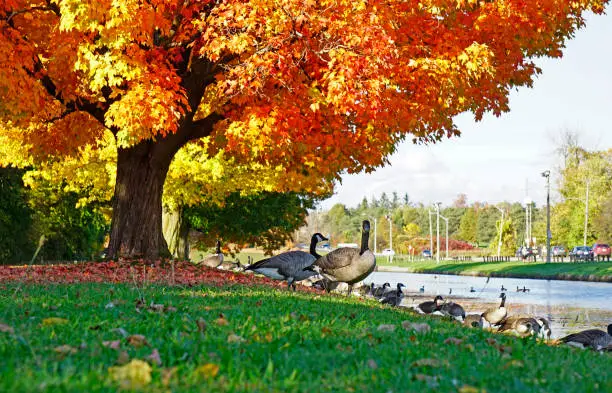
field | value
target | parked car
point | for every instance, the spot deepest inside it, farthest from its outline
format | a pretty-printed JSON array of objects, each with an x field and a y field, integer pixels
[
  {"x": 526, "y": 253},
  {"x": 558, "y": 251},
  {"x": 426, "y": 254},
  {"x": 388, "y": 252},
  {"x": 601, "y": 251},
  {"x": 581, "y": 253}
]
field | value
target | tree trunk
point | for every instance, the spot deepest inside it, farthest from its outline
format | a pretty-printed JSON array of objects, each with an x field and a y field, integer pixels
[
  {"x": 176, "y": 233},
  {"x": 136, "y": 229}
]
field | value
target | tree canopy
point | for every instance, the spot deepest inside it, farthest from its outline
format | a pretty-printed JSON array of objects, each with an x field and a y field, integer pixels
[{"x": 309, "y": 88}]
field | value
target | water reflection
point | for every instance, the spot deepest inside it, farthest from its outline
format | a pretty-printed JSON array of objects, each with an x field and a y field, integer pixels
[{"x": 569, "y": 305}]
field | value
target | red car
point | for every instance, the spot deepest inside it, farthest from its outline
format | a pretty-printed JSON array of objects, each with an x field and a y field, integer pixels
[{"x": 601, "y": 251}]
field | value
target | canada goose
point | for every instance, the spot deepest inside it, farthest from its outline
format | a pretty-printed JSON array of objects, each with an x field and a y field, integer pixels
[
  {"x": 472, "y": 289},
  {"x": 453, "y": 310},
  {"x": 394, "y": 298},
  {"x": 214, "y": 260},
  {"x": 422, "y": 289},
  {"x": 380, "y": 291},
  {"x": 231, "y": 265},
  {"x": 497, "y": 314},
  {"x": 429, "y": 307},
  {"x": 545, "y": 330},
  {"x": 291, "y": 266},
  {"x": 450, "y": 291},
  {"x": 473, "y": 320},
  {"x": 525, "y": 289},
  {"x": 521, "y": 326},
  {"x": 595, "y": 338},
  {"x": 349, "y": 265},
  {"x": 503, "y": 289}
]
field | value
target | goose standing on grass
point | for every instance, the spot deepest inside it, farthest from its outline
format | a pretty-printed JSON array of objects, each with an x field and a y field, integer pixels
[
  {"x": 545, "y": 330},
  {"x": 595, "y": 338},
  {"x": 521, "y": 326},
  {"x": 291, "y": 266},
  {"x": 394, "y": 298},
  {"x": 496, "y": 314},
  {"x": 453, "y": 310},
  {"x": 429, "y": 307},
  {"x": 214, "y": 260},
  {"x": 349, "y": 265},
  {"x": 473, "y": 320}
]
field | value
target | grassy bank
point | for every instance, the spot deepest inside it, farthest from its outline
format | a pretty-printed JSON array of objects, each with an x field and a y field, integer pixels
[
  {"x": 75, "y": 338},
  {"x": 591, "y": 271}
]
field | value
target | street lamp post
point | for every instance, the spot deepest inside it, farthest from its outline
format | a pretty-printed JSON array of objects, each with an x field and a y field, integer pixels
[
  {"x": 430, "y": 233},
  {"x": 437, "y": 204},
  {"x": 446, "y": 222},
  {"x": 546, "y": 174},
  {"x": 388, "y": 217},
  {"x": 501, "y": 228},
  {"x": 586, "y": 212}
]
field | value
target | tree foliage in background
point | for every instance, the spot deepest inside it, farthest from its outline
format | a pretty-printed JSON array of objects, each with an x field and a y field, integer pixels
[
  {"x": 16, "y": 243},
  {"x": 267, "y": 219},
  {"x": 312, "y": 88}
]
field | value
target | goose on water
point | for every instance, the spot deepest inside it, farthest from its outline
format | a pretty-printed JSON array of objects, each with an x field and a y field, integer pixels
[
  {"x": 594, "y": 338},
  {"x": 291, "y": 266},
  {"x": 472, "y": 289},
  {"x": 430, "y": 306},
  {"x": 380, "y": 291},
  {"x": 496, "y": 314},
  {"x": 214, "y": 260},
  {"x": 422, "y": 289},
  {"x": 393, "y": 298},
  {"x": 349, "y": 265},
  {"x": 521, "y": 326}
]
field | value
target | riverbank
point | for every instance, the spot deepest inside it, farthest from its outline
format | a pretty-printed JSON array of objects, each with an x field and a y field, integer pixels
[
  {"x": 588, "y": 271},
  {"x": 101, "y": 337}
]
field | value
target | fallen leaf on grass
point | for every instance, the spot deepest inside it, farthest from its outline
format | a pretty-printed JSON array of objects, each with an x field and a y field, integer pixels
[
  {"x": 65, "y": 350},
  {"x": 514, "y": 363},
  {"x": 453, "y": 340},
  {"x": 430, "y": 380},
  {"x": 171, "y": 308},
  {"x": 427, "y": 363},
  {"x": 372, "y": 364},
  {"x": 326, "y": 330},
  {"x": 122, "y": 358},
  {"x": 417, "y": 327},
  {"x": 232, "y": 338},
  {"x": 471, "y": 389},
  {"x": 112, "y": 344},
  {"x": 208, "y": 370},
  {"x": 109, "y": 305},
  {"x": 154, "y": 357},
  {"x": 167, "y": 374},
  {"x": 54, "y": 321},
  {"x": 133, "y": 375},
  {"x": 201, "y": 324},
  {"x": 156, "y": 307},
  {"x": 221, "y": 321},
  {"x": 6, "y": 328},
  {"x": 137, "y": 340},
  {"x": 386, "y": 328},
  {"x": 121, "y": 331}
]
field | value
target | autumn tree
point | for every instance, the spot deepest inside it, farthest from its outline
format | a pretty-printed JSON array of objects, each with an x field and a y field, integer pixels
[{"x": 312, "y": 87}]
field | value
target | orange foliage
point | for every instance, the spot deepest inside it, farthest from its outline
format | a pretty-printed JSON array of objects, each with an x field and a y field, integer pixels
[{"x": 321, "y": 85}]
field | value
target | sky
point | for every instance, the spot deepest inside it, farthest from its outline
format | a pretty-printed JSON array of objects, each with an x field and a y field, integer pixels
[{"x": 501, "y": 159}]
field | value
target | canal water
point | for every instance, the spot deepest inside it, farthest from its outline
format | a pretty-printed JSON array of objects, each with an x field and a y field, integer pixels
[{"x": 569, "y": 305}]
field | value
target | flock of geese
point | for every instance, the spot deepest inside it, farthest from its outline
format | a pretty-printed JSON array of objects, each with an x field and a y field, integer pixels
[{"x": 352, "y": 265}]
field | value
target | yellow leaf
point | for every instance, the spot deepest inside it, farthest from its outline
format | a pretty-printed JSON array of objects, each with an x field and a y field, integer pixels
[
  {"x": 208, "y": 370},
  {"x": 135, "y": 374},
  {"x": 54, "y": 321}
]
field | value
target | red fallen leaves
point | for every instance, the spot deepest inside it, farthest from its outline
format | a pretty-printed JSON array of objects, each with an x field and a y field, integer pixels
[{"x": 185, "y": 273}]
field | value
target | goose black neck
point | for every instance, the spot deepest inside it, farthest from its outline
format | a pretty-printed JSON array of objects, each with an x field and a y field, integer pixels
[
  {"x": 503, "y": 302},
  {"x": 218, "y": 250},
  {"x": 365, "y": 236},
  {"x": 313, "y": 248}
]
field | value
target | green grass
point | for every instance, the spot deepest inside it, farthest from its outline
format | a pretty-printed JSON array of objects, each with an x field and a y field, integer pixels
[
  {"x": 292, "y": 343},
  {"x": 589, "y": 271}
]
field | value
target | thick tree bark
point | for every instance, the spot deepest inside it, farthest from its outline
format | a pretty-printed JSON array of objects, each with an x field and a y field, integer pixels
[
  {"x": 176, "y": 233},
  {"x": 136, "y": 230}
]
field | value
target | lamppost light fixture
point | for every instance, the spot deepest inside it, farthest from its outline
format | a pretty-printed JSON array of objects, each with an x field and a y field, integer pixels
[{"x": 546, "y": 173}]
